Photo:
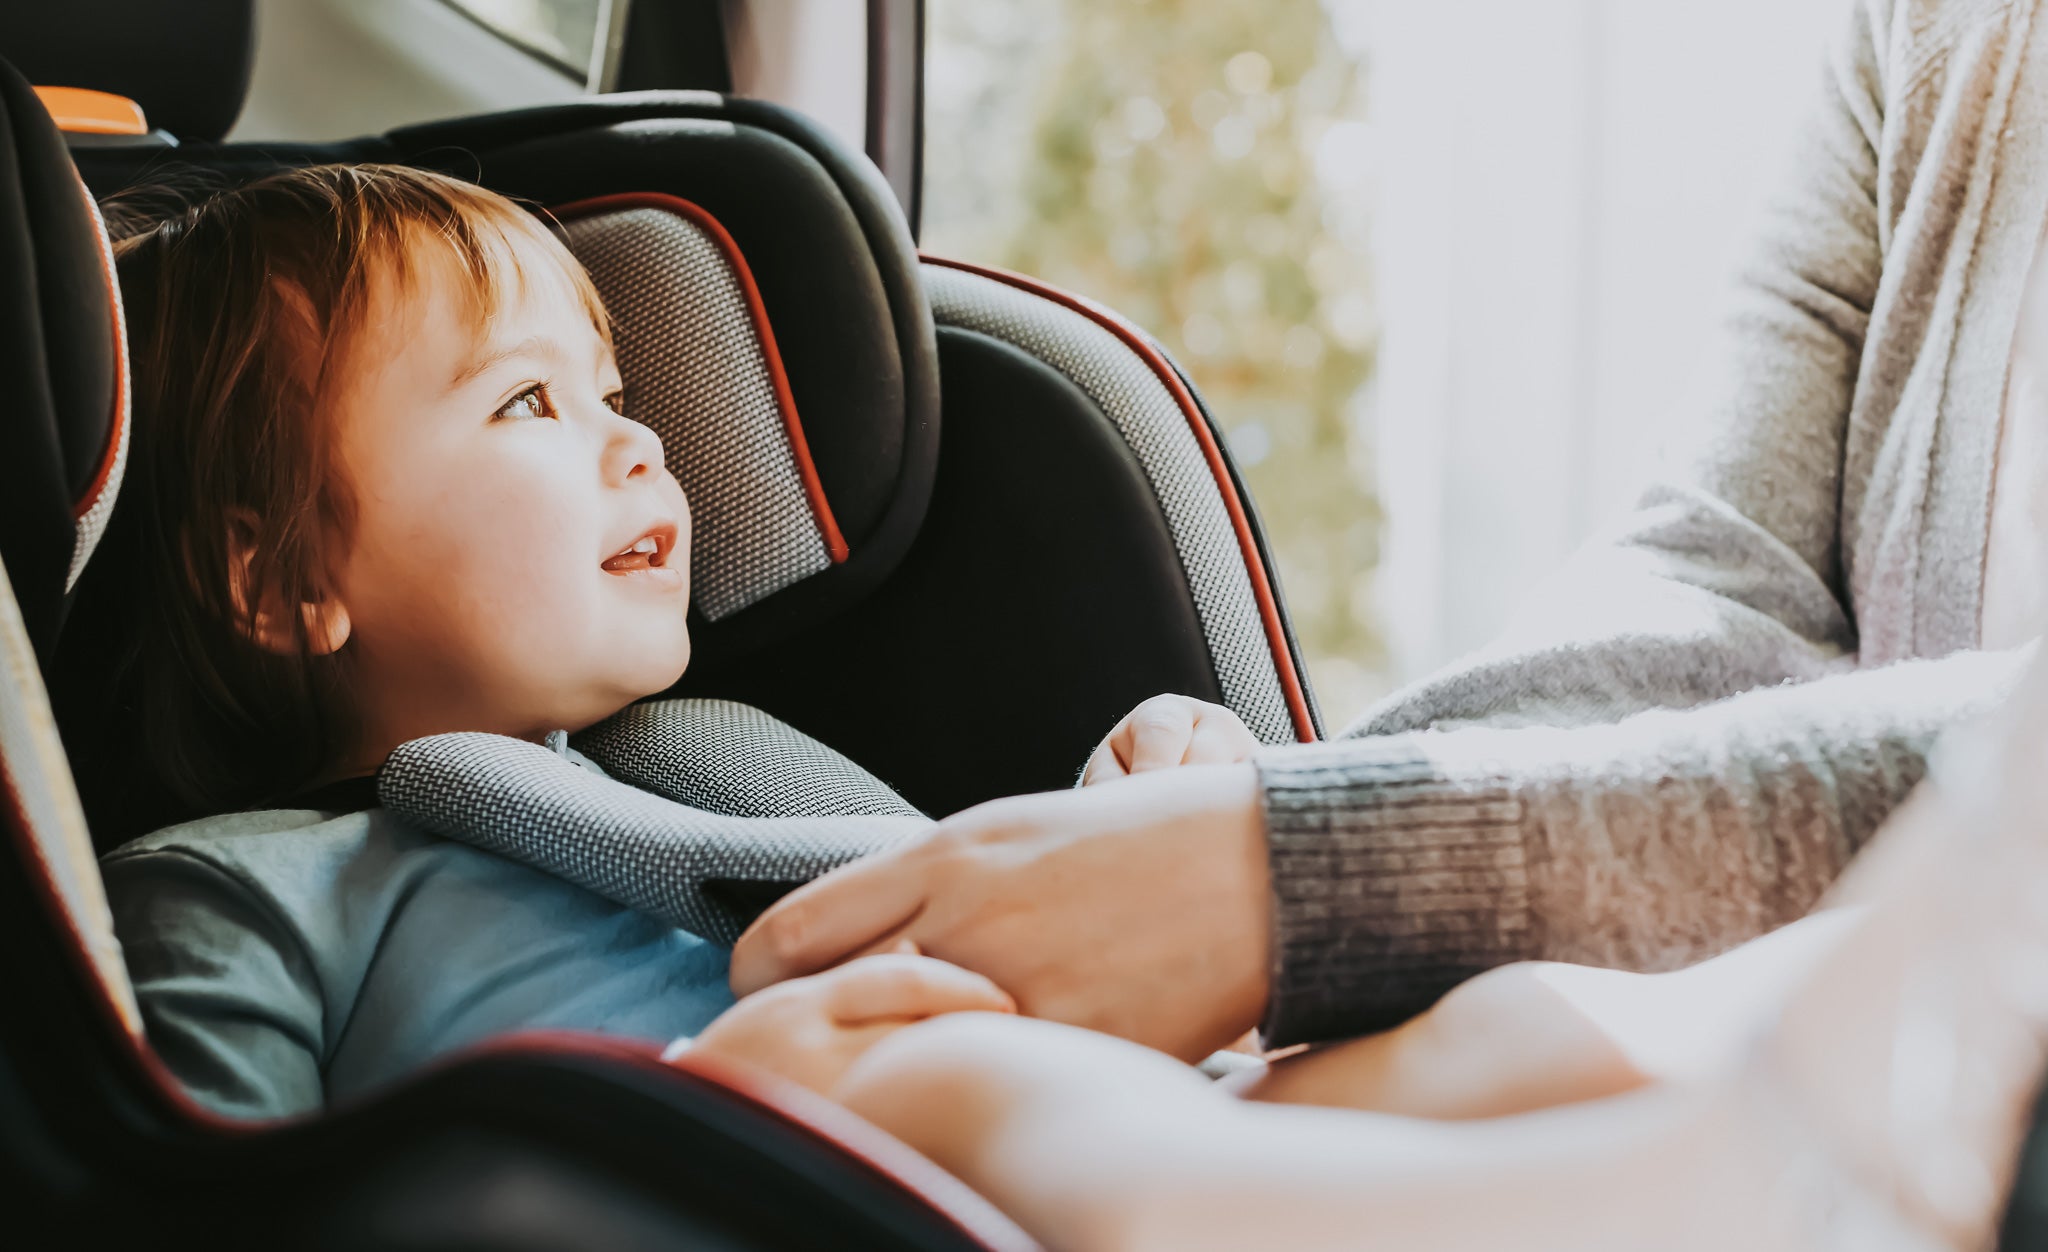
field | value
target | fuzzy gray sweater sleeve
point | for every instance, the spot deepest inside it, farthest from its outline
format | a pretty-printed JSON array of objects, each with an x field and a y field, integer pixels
[
  {"x": 1674, "y": 748},
  {"x": 1404, "y": 864}
]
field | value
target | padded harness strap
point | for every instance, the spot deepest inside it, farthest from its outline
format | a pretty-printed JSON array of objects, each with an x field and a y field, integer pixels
[{"x": 748, "y": 808}]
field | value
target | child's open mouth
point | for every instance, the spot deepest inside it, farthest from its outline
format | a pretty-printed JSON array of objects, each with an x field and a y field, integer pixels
[{"x": 650, "y": 552}]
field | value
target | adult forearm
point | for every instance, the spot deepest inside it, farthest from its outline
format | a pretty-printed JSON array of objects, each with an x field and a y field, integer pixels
[
  {"x": 1404, "y": 864},
  {"x": 1092, "y": 1143}
]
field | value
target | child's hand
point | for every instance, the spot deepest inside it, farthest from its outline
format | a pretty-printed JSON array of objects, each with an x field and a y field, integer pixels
[
  {"x": 1166, "y": 731},
  {"x": 809, "y": 1030}
]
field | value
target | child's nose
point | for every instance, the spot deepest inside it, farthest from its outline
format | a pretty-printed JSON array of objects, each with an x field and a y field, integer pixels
[{"x": 632, "y": 451}]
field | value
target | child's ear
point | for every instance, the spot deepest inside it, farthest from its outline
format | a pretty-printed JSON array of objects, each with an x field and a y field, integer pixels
[
  {"x": 327, "y": 625},
  {"x": 269, "y": 623}
]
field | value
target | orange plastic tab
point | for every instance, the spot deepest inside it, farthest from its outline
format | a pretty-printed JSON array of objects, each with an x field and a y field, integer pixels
[{"x": 84, "y": 112}]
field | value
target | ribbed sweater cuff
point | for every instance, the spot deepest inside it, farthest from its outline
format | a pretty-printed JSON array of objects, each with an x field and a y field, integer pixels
[{"x": 1393, "y": 881}]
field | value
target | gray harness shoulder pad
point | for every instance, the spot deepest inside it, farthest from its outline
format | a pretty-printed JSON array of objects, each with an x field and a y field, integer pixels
[{"x": 712, "y": 811}]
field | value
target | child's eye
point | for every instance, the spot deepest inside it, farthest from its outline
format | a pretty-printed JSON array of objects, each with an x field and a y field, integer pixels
[
  {"x": 532, "y": 402},
  {"x": 616, "y": 402}
]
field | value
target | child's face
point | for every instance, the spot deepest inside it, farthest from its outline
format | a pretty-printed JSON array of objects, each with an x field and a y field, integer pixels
[{"x": 491, "y": 582}]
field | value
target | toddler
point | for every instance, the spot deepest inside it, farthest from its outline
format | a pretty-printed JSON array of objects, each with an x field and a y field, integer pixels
[{"x": 381, "y": 487}]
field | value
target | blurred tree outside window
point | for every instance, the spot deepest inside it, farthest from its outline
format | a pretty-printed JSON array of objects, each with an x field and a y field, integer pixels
[{"x": 1202, "y": 167}]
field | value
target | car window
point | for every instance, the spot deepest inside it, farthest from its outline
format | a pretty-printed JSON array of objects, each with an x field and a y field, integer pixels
[
  {"x": 565, "y": 33},
  {"x": 1203, "y": 169}
]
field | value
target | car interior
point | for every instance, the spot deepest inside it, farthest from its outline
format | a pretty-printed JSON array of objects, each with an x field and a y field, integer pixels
[{"x": 897, "y": 464}]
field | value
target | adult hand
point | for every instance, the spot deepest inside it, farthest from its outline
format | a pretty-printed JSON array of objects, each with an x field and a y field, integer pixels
[
  {"x": 1142, "y": 910},
  {"x": 1166, "y": 731}
]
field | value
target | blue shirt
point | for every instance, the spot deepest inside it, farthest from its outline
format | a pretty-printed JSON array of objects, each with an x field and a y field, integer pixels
[{"x": 290, "y": 957}]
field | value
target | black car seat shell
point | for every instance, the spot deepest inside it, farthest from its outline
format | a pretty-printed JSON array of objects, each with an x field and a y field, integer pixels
[{"x": 62, "y": 347}]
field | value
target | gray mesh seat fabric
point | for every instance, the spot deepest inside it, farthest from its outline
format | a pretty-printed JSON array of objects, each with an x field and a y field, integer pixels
[{"x": 736, "y": 808}]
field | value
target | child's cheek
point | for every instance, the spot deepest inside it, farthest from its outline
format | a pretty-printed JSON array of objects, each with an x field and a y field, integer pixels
[{"x": 541, "y": 538}]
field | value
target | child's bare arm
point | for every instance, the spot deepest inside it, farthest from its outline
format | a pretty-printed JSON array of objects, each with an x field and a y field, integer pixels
[{"x": 809, "y": 1030}]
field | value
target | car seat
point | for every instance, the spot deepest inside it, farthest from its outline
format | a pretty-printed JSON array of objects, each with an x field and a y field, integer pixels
[
  {"x": 532, "y": 1142},
  {"x": 1077, "y": 540}
]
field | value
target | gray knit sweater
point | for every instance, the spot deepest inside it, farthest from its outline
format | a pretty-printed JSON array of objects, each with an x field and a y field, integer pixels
[{"x": 1688, "y": 735}]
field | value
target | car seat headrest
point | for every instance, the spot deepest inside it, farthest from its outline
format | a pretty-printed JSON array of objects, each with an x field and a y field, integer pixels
[
  {"x": 65, "y": 436},
  {"x": 186, "y": 63}
]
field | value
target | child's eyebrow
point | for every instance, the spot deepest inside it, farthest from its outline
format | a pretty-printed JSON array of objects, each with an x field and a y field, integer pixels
[{"x": 532, "y": 345}]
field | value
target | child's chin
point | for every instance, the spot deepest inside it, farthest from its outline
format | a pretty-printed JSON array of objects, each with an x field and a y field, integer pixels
[
  {"x": 638, "y": 663},
  {"x": 660, "y": 677}
]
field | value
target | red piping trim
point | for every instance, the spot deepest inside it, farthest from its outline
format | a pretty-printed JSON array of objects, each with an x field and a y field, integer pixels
[
  {"x": 1240, "y": 521},
  {"x": 785, "y": 400},
  {"x": 119, "y": 420}
]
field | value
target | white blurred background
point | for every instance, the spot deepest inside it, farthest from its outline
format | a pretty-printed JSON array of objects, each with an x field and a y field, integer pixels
[{"x": 1558, "y": 188}]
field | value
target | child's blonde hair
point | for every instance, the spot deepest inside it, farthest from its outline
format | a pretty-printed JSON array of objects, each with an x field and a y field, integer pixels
[{"x": 247, "y": 310}]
